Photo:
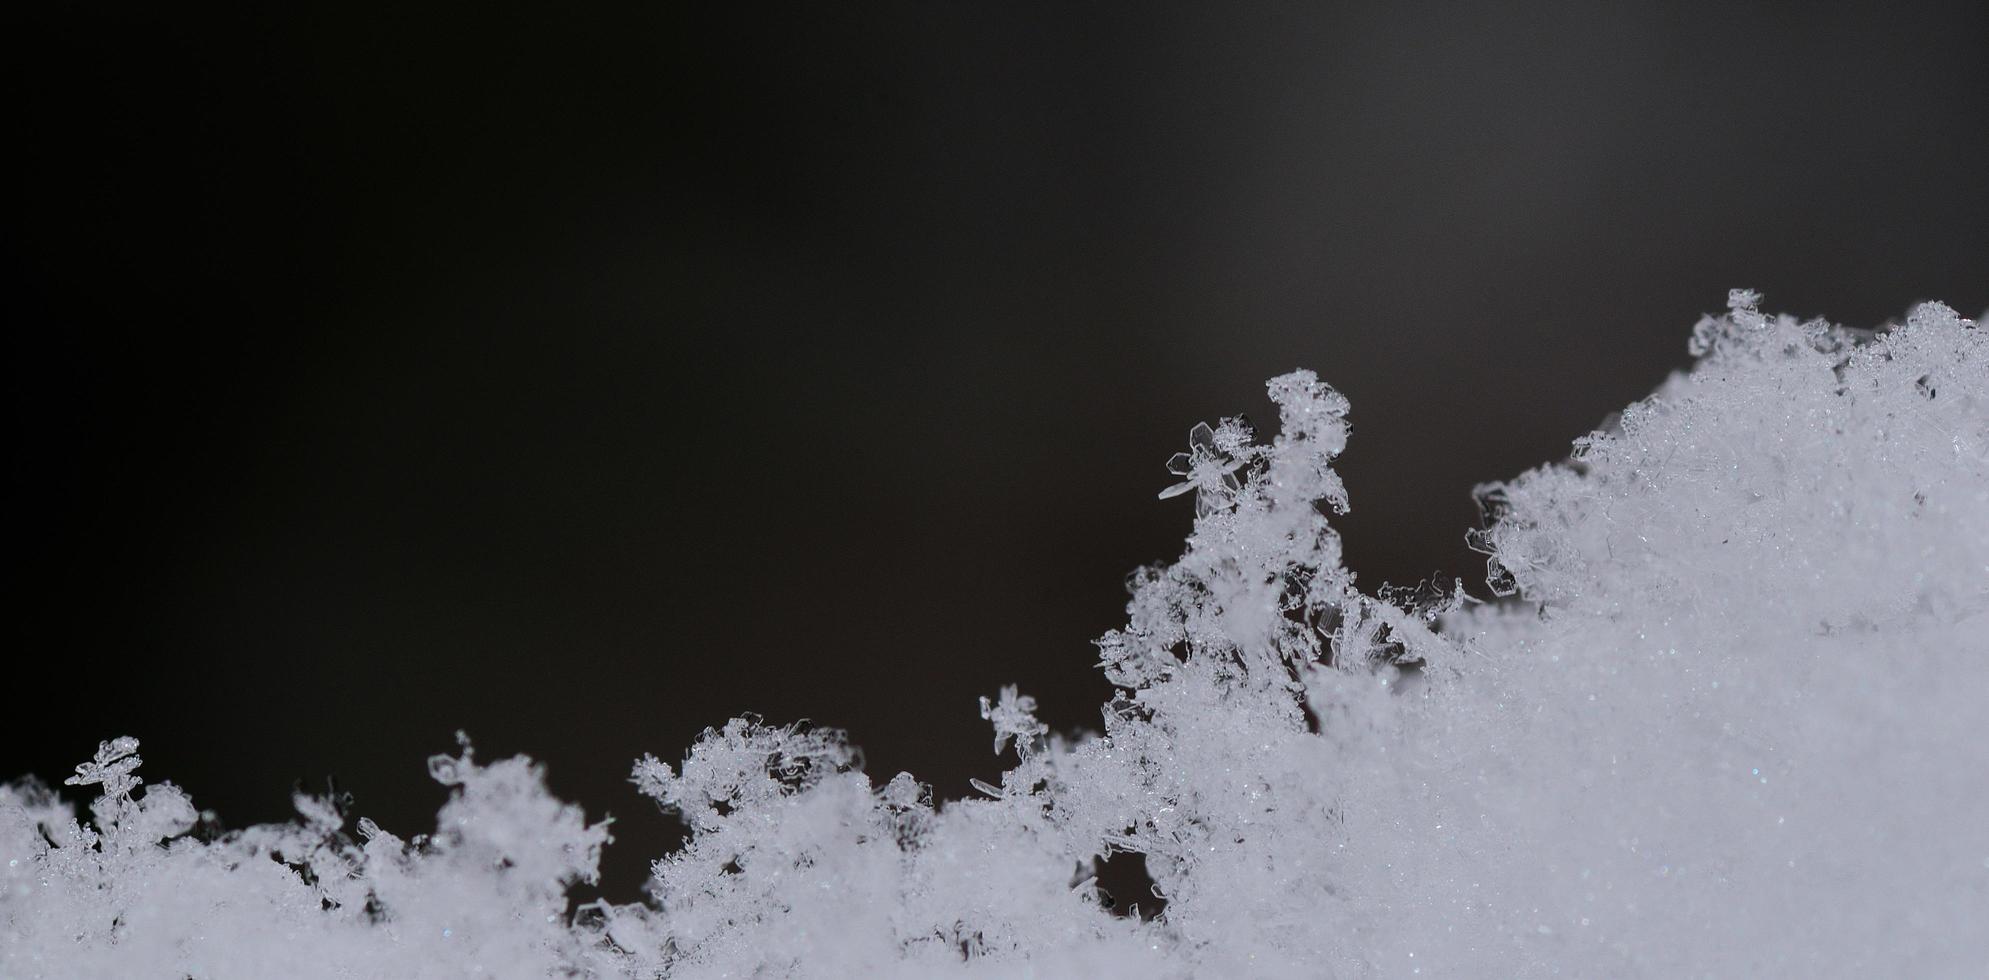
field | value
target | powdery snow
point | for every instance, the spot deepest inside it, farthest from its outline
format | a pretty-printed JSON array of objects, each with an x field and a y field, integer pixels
[{"x": 1728, "y": 720}]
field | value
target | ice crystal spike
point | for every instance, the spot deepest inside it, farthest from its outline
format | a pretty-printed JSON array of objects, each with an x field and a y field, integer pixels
[{"x": 112, "y": 767}]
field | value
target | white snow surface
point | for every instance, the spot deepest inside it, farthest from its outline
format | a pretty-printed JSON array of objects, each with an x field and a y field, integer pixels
[{"x": 1731, "y": 719}]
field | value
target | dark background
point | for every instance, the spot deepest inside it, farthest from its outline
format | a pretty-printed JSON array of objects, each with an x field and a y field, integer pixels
[{"x": 583, "y": 379}]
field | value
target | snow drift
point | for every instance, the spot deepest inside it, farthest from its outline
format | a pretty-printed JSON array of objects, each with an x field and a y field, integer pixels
[{"x": 1726, "y": 718}]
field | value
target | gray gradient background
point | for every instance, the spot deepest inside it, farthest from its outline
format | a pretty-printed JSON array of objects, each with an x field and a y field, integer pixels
[{"x": 584, "y": 381}]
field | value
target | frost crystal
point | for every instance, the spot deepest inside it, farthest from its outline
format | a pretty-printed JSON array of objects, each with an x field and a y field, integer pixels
[
  {"x": 1210, "y": 466},
  {"x": 1726, "y": 722},
  {"x": 1014, "y": 716}
]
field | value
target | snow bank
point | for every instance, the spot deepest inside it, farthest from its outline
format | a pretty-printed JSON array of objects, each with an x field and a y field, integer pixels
[{"x": 1727, "y": 720}]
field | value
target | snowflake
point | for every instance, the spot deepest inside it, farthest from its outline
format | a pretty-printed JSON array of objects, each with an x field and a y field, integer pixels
[{"x": 1210, "y": 465}]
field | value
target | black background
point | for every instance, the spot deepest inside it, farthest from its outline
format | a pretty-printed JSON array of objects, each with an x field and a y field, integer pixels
[{"x": 581, "y": 379}]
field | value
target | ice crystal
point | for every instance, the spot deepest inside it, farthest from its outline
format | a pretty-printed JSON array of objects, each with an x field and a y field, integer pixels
[
  {"x": 1726, "y": 721},
  {"x": 1014, "y": 716}
]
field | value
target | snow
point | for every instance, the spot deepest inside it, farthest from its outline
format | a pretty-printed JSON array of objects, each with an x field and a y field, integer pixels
[{"x": 1725, "y": 721}]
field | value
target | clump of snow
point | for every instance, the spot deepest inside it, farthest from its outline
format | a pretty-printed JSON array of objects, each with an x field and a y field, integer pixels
[
  {"x": 1726, "y": 720},
  {"x": 136, "y": 893}
]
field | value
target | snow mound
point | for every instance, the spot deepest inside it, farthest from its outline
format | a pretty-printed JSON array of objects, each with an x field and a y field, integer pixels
[{"x": 1724, "y": 719}]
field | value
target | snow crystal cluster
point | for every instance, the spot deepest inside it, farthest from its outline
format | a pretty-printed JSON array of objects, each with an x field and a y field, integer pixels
[{"x": 1725, "y": 717}]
